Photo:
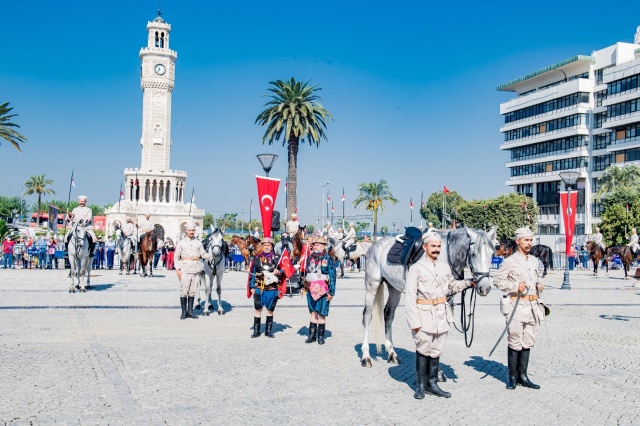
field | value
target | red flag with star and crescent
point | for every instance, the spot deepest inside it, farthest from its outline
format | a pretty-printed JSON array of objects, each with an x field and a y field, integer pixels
[
  {"x": 286, "y": 265},
  {"x": 267, "y": 193}
]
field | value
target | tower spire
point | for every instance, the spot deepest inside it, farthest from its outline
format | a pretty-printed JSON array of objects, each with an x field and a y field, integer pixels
[{"x": 159, "y": 8}]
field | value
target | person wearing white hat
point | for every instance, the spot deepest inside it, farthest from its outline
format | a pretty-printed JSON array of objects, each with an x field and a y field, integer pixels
[
  {"x": 84, "y": 214},
  {"x": 188, "y": 255},
  {"x": 292, "y": 225},
  {"x": 633, "y": 241},
  {"x": 129, "y": 232},
  {"x": 598, "y": 239},
  {"x": 349, "y": 240},
  {"x": 518, "y": 276},
  {"x": 429, "y": 282},
  {"x": 327, "y": 231},
  {"x": 144, "y": 226}
]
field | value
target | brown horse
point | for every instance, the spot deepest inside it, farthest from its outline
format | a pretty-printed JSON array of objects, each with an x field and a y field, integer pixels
[
  {"x": 148, "y": 247},
  {"x": 506, "y": 248},
  {"x": 597, "y": 253},
  {"x": 298, "y": 242},
  {"x": 249, "y": 247},
  {"x": 625, "y": 256}
]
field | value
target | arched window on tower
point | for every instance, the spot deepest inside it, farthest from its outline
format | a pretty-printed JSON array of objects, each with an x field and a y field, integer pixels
[
  {"x": 167, "y": 191},
  {"x": 162, "y": 39},
  {"x": 147, "y": 190},
  {"x": 154, "y": 191},
  {"x": 161, "y": 192},
  {"x": 157, "y": 44}
]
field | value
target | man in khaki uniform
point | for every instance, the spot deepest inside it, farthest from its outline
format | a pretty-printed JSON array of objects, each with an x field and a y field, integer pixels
[
  {"x": 188, "y": 255},
  {"x": 633, "y": 242},
  {"x": 518, "y": 276},
  {"x": 429, "y": 282},
  {"x": 84, "y": 214},
  {"x": 292, "y": 225},
  {"x": 145, "y": 225}
]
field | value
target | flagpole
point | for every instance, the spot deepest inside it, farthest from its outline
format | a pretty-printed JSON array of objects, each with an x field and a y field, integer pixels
[
  {"x": 193, "y": 190},
  {"x": 343, "y": 230},
  {"x": 411, "y": 208},
  {"x": 421, "y": 204},
  {"x": 66, "y": 217},
  {"x": 119, "y": 197},
  {"x": 443, "y": 197},
  {"x": 250, "y": 209}
]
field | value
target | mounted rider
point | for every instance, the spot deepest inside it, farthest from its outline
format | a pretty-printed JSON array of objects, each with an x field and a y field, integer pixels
[
  {"x": 518, "y": 276},
  {"x": 349, "y": 240},
  {"x": 599, "y": 239},
  {"x": 83, "y": 213},
  {"x": 633, "y": 242},
  {"x": 327, "y": 231},
  {"x": 292, "y": 225},
  {"x": 129, "y": 232},
  {"x": 144, "y": 226}
]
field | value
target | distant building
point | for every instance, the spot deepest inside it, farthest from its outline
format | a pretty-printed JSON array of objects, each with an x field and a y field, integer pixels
[
  {"x": 580, "y": 114},
  {"x": 154, "y": 188}
]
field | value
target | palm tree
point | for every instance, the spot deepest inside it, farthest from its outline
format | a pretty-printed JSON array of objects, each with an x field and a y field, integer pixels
[
  {"x": 372, "y": 196},
  {"x": 615, "y": 178},
  {"x": 6, "y": 131},
  {"x": 294, "y": 114},
  {"x": 37, "y": 184}
]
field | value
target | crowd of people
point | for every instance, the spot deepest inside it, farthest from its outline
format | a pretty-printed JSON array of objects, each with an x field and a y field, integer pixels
[{"x": 30, "y": 253}]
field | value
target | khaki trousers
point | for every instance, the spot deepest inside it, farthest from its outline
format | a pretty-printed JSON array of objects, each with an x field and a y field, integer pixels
[
  {"x": 522, "y": 335},
  {"x": 189, "y": 284},
  {"x": 429, "y": 344}
]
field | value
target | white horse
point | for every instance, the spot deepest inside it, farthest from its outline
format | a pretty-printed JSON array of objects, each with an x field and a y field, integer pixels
[
  {"x": 215, "y": 245},
  {"x": 460, "y": 247},
  {"x": 361, "y": 250},
  {"x": 79, "y": 257},
  {"x": 125, "y": 249}
]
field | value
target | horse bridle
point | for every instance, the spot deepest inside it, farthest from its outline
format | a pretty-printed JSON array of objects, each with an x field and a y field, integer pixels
[{"x": 213, "y": 264}]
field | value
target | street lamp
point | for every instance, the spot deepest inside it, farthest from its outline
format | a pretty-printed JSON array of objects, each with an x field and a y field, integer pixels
[
  {"x": 267, "y": 160},
  {"x": 323, "y": 185},
  {"x": 15, "y": 213},
  {"x": 569, "y": 178}
]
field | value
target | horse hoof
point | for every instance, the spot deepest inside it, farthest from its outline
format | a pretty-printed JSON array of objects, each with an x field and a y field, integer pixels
[
  {"x": 72, "y": 291},
  {"x": 211, "y": 307},
  {"x": 220, "y": 312},
  {"x": 206, "y": 314},
  {"x": 83, "y": 290},
  {"x": 366, "y": 362},
  {"x": 393, "y": 359}
]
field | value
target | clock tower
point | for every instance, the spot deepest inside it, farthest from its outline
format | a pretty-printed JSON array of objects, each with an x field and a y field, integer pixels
[{"x": 154, "y": 187}]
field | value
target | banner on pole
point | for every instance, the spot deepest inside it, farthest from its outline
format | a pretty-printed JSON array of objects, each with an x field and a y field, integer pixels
[
  {"x": 568, "y": 217},
  {"x": 267, "y": 193},
  {"x": 53, "y": 218}
]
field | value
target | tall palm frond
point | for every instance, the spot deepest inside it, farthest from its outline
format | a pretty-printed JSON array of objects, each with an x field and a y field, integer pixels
[
  {"x": 6, "y": 127},
  {"x": 372, "y": 197},
  {"x": 37, "y": 184},
  {"x": 615, "y": 178}
]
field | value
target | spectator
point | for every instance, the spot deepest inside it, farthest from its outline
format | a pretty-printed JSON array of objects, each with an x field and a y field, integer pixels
[
  {"x": 7, "y": 250},
  {"x": 584, "y": 257},
  {"x": 98, "y": 259},
  {"x": 51, "y": 253},
  {"x": 41, "y": 245},
  {"x": 18, "y": 252},
  {"x": 170, "y": 252},
  {"x": 156, "y": 257},
  {"x": 110, "y": 246}
]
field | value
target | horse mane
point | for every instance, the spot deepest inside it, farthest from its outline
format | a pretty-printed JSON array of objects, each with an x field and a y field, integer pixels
[
  {"x": 457, "y": 258},
  {"x": 482, "y": 237}
]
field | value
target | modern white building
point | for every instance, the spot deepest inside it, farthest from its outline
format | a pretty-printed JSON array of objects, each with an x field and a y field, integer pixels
[
  {"x": 580, "y": 114},
  {"x": 154, "y": 187}
]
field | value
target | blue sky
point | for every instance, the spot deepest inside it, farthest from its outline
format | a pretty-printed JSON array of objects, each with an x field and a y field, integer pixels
[{"x": 411, "y": 86}]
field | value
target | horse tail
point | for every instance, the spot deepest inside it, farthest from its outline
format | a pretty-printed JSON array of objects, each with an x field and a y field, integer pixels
[
  {"x": 378, "y": 315},
  {"x": 551, "y": 258}
]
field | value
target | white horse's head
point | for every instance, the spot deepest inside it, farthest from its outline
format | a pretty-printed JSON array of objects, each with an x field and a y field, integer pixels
[
  {"x": 215, "y": 240},
  {"x": 480, "y": 259}
]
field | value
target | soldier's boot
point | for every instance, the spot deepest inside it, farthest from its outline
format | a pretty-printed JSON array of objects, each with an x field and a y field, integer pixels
[
  {"x": 268, "y": 326},
  {"x": 523, "y": 364},
  {"x": 512, "y": 362},
  {"x": 256, "y": 327},
  {"x": 321, "y": 334},
  {"x": 421, "y": 375},
  {"x": 183, "y": 305},
  {"x": 312, "y": 333},
  {"x": 432, "y": 387},
  {"x": 190, "y": 308}
]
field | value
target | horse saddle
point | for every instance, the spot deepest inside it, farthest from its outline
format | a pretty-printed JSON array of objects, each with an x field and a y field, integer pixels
[
  {"x": 408, "y": 249},
  {"x": 352, "y": 247}
]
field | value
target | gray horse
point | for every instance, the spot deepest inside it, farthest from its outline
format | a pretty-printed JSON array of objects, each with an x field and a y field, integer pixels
[
  {"x": 125, "y": 251},
  {"x": 361, "y": 250},
  {"x": 214, "y": 268},
  {"x": 79, "y": 258},
  {"x": 460, "y": 247}
]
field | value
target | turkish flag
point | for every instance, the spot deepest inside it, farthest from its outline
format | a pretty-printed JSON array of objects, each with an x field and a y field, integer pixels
[
  {"x": 445, "y": 190},
  {"x": 285, "y": 264},
  {"x": 267, "y": 193},
  {"x": 568, "y": 217},
  {"x": 303, "y": 257}
]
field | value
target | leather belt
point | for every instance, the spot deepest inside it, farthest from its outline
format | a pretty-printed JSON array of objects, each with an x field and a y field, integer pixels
[
  {"x": 437, "y": 301},
  {"x": 190, "y": 258},
  {"x": 530, "y": 298}
]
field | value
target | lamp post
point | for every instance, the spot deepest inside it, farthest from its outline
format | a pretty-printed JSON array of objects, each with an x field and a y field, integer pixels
[
  {"x": 323, "y": 185},
  {"x": 569, "y": 178},
  {"x": 14, "y": 217},
  {"x": 266, "y": 161}
]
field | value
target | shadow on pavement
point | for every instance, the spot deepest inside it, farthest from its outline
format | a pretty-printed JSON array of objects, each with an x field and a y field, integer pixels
[
  {"x": 497, "y": 370},
  {"x": 213, "y": 308},
  {"x": 100, "y": 287},
  {"x": 617, "y": 317},
  {"x": 304, "y": 331}
]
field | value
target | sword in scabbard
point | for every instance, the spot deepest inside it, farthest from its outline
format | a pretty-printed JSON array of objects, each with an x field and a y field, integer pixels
[{"x": 515, "y": 307}]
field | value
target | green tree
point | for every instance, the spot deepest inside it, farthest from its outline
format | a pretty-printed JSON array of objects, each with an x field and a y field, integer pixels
[
  {"x": 294, "y": 113},
  {"x": 37, "y": 184},
  {"x": 372, "y": 197},
  {"x": 7, "y": 127},
  {"x": 361, "y": 226},
  {"x": 227, "y": 221},
  {"x": 9, "y": 204},
  {"x": 508, "y": 212},
  {"x": 622, "y": 197},
  {"x": 617, "y": 222},
  {"x": 310, "y": 228},
  {"x": 384, "y": 229},
  {"x": 432, "y": 209},
  {"x": 615, "y": 178},
  {"x": 207, "y": 221}
]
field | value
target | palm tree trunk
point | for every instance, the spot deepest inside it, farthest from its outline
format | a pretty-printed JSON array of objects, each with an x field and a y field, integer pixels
[
  {"x": 39, "y": 201},
  {"x": 375, "y": 225},
  {"x": 292, "y": 180}
]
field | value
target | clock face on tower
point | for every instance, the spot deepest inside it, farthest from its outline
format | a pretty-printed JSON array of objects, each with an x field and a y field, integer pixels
[{"x": 159, "y": 69}]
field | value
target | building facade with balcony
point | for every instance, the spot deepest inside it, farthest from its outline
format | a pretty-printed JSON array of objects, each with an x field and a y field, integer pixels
[{"x": 581, "y": 114}]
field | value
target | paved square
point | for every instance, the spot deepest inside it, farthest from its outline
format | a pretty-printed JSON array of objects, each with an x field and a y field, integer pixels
[{"x": 119, "y": 354}]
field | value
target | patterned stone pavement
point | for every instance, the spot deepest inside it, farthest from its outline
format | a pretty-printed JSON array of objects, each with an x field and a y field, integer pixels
[{"x": 118, "y": 354}]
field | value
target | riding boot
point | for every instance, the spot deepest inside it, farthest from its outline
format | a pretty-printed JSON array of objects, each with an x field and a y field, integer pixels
[
  {"x": 268, "y": 326},
  {"x": 190, "y": 308},
  {"x": 432, "y": 387},
  {"x": 421, "y": 375},
  {"x": 321, "y": 334},
  {"x": 512, "y": 361},
  {"x": 312, "y": 333},
  {"x": 523, "y": 364},
  {"x": 183, "y": 305},
  {"x": 256, "y": 327}
]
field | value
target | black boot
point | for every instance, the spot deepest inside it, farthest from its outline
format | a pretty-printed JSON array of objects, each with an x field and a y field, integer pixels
[
  {"x": 267, "y": 327},
  {"x": 256, "y": 327},
  {"x": 321, "y": 334},
  {"x": 190, "y": 308},
  {"x": 432, "y": 378},
  {"x": 421, "y": 375},
  {"x": 441, "y": 377},
  {"x": 183, "y": 305},
  {"x": 312, "y": 333},
  {"x": 523, "y": 364},
  {"x": 512, "y": 360}
]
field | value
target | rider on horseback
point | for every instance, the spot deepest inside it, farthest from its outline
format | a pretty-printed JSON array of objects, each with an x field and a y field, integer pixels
[
  {"x": 84, "y": 213},
  {"x": 128, "y": 231},
  {"x": 598, "y": 239},
  {"x": 633, "y": 242},
  {"x": 292, "y": 225},
  {"x": 144, "y": 226},
  {"x": 349, "y": 240}
]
